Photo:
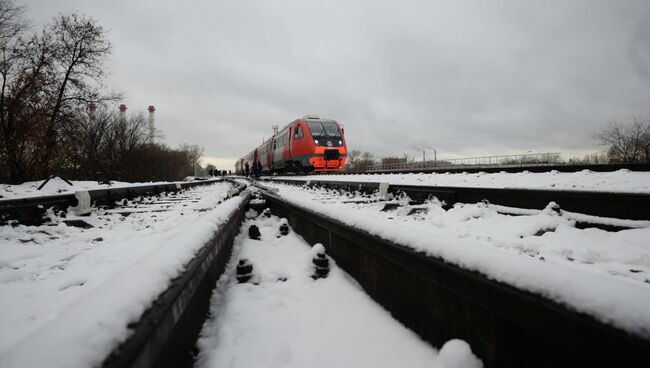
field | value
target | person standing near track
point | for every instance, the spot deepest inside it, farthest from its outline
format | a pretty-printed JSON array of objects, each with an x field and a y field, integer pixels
[{"x": 258, "y": 168}]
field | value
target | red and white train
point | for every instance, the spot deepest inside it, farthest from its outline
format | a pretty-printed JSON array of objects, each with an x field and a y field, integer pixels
[{"x": 309, "y": 144}]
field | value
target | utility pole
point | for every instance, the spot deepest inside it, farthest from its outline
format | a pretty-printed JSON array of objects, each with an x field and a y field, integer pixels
[{"x": 424, "y": 156}]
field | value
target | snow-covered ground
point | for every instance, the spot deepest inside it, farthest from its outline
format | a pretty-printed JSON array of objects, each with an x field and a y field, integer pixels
[
  {"x": 68, "y": 293},
  {"x": 284, "y": 318},
  {"x": 617, "y": 181},
  {"x": 605, "y": 274}
]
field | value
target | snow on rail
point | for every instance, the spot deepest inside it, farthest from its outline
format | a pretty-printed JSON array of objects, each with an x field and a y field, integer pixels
[
  {"x": 59, "y": 186},
  {"x": 604, "y": 274},
  {"x": 68, "y": 293},
  {"x": 284, "y": 318},
  {"x": 616, "y": 181}
]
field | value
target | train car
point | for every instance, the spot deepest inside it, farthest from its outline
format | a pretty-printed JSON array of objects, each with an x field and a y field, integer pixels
[
  {"x": 248, "y": 161},
  {"x": 264, "y": 155},
  {"x": 239, "y": 170},
  {"x": 308, "y": 144}
]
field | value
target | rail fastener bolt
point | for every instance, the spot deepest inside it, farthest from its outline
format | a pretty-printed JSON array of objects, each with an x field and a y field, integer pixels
[
  {"x": 321, "y": 263},
  {"x": 254, "y": 232},
  {"x": 284, "y": 228},
  {"x": 244, "y": 270}
]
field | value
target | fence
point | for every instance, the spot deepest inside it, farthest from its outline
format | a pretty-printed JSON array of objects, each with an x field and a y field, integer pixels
[{"x": 527, "y": 159}]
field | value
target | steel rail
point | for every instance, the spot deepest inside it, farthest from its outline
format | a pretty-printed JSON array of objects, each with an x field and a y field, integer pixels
[
  {"x": 631, "y": 206},
  {"x": 538, "y": 168},
  {"x": 166, "y": 333},
  {"x": 30, "y": 210},
  {"x": 505, "y": 326}
]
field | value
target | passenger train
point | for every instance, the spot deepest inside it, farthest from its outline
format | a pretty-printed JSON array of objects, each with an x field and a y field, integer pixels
[{"x": 309, "y": 144}]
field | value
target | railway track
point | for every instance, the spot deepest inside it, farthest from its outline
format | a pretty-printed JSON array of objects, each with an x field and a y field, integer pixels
[
  {"x": 31, "y": 210},
  {"x": 539, "y": 168},
  {"x": 166, "y": 331},
  {"x": 506, "y": 326},
  {"x": 632, "y": 206}
]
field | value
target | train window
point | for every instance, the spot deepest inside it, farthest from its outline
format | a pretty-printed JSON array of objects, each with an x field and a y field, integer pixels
[
  {"x": 331, "y": 129},
  {"x": 323, "y": 129},
  {"x": 316, "y": 129},
  {"x": 297, "y": 133},
  {"x": 281, "y": 141}
]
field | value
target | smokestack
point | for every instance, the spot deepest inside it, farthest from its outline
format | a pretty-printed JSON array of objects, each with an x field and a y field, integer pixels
[
  {"x": 122, "y": 113},
  {"x": 152, "y": 127}
]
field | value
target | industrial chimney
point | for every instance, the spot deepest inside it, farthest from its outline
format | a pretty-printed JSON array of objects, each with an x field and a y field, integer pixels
[
  {"x": 122, "y": 113},
  {"x": 152, "y": 127}
]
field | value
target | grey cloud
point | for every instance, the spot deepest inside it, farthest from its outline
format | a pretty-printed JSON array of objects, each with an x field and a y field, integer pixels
[{"x": 470, "y": 77}]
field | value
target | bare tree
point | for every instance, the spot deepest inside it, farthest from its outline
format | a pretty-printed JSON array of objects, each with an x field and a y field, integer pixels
[
  {"x": 351, "y": 160},
  {"x": 12, "y": 25},
  {"x": 627, "y": 143},
  {"x": 193, "y": 153},
  {"x": 47, "y": 80},
  {"x": 359, "y": 161},
  {"x": 590, "y": 159},
  {"x": 80, "y": 48},
  {"x": 211, "y": 168},
  {"x": 23, "y": 68}
]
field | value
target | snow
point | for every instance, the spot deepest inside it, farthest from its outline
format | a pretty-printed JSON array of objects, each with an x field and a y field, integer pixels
[
  {"x": 68, "y": 293},
  {"x": 616, "y": 181},
  {"x": 59, "y": 186},
  {"x": 604, "y": 274},
  {"x": 285, "y": 318},
  {"x": 318, "y": 248},
  {"x": 457, "y": 353}
]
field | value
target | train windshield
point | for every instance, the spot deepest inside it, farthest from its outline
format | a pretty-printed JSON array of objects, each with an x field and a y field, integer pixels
[{"x": 323, "y": 129}]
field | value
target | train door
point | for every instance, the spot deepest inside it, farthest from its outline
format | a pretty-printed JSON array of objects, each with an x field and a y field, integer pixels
[
  {"x": 277, "y": 152},
  {"x": 289, "y": 143},
  {"x": 297, "y": 146},
  {"x": 268, "y": 153}
]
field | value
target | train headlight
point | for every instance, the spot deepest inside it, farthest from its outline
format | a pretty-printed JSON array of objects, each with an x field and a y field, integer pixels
[
  {"x": 316, "y": 141},
  {"x": 340, "y": 142}
]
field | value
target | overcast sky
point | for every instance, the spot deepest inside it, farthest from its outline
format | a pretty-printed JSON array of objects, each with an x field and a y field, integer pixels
[{"x": 465, "y": 78}]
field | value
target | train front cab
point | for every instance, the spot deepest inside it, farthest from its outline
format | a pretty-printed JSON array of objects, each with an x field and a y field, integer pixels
[{"x": 318, "y": 145}]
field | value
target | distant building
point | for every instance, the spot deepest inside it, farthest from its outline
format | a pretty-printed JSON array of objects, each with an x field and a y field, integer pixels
[{"x": 393, "y": 160}]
